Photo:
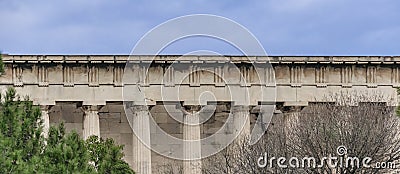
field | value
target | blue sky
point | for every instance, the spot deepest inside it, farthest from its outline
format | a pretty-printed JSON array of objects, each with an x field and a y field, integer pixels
[{"x": 284, "y": 27}]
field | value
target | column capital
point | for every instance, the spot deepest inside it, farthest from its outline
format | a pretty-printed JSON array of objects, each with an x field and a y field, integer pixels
[
  {"x": 190, "y": 109},
  {"x": 139, "y": 108},
  {"x": 91, "y": 107}
]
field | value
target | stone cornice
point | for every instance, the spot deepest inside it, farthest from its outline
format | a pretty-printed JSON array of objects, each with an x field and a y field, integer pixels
[{"x": 81, "y": 59}]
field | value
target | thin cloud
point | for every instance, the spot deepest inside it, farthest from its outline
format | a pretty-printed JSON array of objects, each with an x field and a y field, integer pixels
[{"x": 294, "y": 27}]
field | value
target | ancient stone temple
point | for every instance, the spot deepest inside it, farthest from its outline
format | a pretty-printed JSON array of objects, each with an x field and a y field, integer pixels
[{"x": 86, "y": 92}]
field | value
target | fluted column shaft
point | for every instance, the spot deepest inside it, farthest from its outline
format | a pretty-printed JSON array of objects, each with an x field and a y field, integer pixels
[
  {"x": 241, "y": 121},
  {"x": 291, "y": 118},
  {"x": 241, "y": 129},
  {"x": 46, "y": 120},
  {"x": 141, "y": 153},
  {"x": 91, "y": 123},
  {"x": 192, "y": 144}
]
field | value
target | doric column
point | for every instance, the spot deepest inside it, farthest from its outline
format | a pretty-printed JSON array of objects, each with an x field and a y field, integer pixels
[
  {"x": 241, "y": 121},
  {"x": 241, "y": 129},
  {"x": 290, "y": 119},
  {"x": 192, "y": 145},
  {"x": 46, "y": 120},
  {"x": 91, "y": 125},
  {"x": 141, "y": 153},
  {"x": 291, "y": 116}
]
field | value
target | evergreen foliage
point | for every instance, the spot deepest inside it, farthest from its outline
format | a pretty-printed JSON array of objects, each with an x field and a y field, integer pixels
[
  {"x": 23, "y": 148},
  {"x": 1, "y": 65}
]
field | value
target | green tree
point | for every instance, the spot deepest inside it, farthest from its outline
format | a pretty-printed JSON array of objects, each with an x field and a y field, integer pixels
[
  {"x": 106, "y": 156},
  {"x": 65, "y": 153},
  {"x": 20, "y": 133},
  {"x": 24, "y": 149},
  {"x": 1, "y": 64}
]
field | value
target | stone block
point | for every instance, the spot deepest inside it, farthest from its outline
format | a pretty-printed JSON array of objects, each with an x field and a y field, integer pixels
[
  {"x": 124, "y": 128},
  {"x": 153, "y": 128},
  {"x": 115, "y": 108},
  {"x": 114, "y": 128},
  {"x": 72, "y": 117},
  {"x": 160, "y": 117},
  {"x": 123, "y": 119},
  {"x": 77, "y": 118},
  {"x": 127, "y": 138},
  {"x": 175, "y": 118},
  {"x": 158, "y": 141},
  {"x": 114, "y": 117},
  {"x": 55, "y": 117},
  {"x": 210, "y": 120},
  {"x": 171, "y": 128},
  {"x": 104, "y": 128},
  {"x": 210, "y": 130},
  {"x": 215, "y": 124},
  {"x": 221, "y": 116},
  {"x": 179, "y": 136},
  {"x": 158, "y": 109}
]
